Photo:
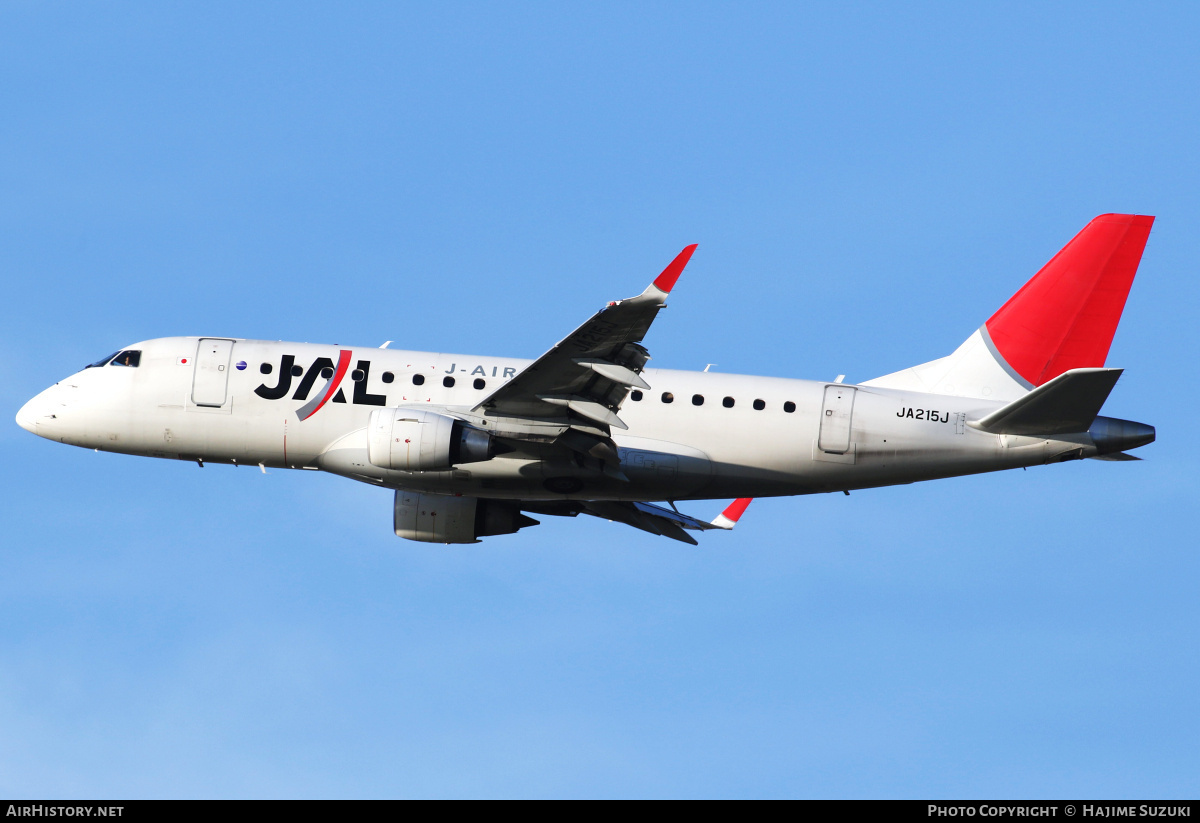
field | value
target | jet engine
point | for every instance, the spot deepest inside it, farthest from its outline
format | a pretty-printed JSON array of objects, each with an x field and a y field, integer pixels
[
  {"x": 442, "y": 518},
  {"x": 421, "y": 440}
]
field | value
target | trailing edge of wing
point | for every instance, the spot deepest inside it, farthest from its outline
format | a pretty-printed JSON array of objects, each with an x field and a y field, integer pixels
[
  {"x": 644, "y": 516},
  {"x": 615, "y": 373},
  {"x": 590, "y": 409},
  {"x": 663, "y": 521}
]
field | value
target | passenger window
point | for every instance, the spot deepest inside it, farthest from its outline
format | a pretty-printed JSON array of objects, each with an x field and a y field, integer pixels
[
  {"x": 266, "y": 368},
  {"x": 448, "y": 382},
  {"x": 357, "y": 375},
  {"x": 102, "y": 362},
  {"x": 635, "y": 395},
  {"x": 667, "y": 397},
  {"x": 387, "y": 377},
  {"x": 759, "y": 405},
  {"x": 127, "y": 358},
  {"x": 327, "y": 372},
  {"x": 297, "y": 371},
  {"x": 789, "y": 407},
  {"x": 697, "y": 400},
  {"x": 418, "y": 379},
  {"x": 727, "y": 402},
  {"x": 479, "y": 383}
]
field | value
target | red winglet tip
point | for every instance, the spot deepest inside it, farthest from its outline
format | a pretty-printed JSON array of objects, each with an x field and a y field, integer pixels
[
  {"x": 736, "y": 508},
  {"x": 666, "y": 281}
]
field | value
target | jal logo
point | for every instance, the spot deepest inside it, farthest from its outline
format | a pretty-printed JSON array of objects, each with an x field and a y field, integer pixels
[{"x": 331, "y": 392}]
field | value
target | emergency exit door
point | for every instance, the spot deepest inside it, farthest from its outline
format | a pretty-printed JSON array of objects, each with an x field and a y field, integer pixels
[
  {"x": 210, "y": 381},
  {"x": 837, "y": 413}
]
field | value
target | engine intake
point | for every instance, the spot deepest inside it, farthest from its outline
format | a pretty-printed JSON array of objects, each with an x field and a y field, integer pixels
[
  {"x": 421, "y": 440},
  {"x": 442, "y": 518}
]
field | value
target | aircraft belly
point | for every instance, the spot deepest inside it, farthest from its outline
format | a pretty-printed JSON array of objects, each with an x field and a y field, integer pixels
[{"x": 653, "y": 470}]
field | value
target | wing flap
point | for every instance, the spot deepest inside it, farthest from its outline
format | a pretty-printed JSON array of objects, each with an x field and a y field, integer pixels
[
  {"x": 618, "y": 374},
  {"x": 590, "y": 409}
]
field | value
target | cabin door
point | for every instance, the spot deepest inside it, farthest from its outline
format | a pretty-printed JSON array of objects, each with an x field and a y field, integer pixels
[
  {"x": 837, "y": 413},
  {"x": 210, "y": 381}
]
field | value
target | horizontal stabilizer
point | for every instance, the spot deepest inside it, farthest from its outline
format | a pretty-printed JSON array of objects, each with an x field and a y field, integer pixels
[
  {"x": 1120, "y": 457},
  {"x": 1068, "y": 403}
]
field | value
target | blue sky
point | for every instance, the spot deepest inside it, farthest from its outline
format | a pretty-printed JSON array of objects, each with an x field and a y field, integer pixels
[{"x": 867, "y": 184}]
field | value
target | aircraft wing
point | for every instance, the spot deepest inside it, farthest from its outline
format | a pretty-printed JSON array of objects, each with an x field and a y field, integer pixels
[
  {"x": 587, "y": 375},
  {"x": 662, "y": 521}
]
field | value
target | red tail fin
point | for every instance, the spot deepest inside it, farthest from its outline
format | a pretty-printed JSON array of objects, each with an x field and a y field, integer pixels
[{"x": 1065, "y": 317}]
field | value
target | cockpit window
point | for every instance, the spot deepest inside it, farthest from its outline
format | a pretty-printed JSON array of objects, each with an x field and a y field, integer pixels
[
  {"x": 127, "y": 358},
  {"x": 102, "y": 361}
]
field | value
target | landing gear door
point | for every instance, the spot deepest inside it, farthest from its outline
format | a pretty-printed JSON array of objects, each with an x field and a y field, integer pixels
[
  {"x": 836, "y": 415},
  {"x": 210, "y": 382}
]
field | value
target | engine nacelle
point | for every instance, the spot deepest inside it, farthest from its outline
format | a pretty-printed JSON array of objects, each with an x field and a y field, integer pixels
[
  {"x": 420, "y": 440},
  {"x": 442, "y": 518}
]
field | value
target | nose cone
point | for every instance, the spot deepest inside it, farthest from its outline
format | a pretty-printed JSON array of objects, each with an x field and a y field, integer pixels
[
  {"x": 42, "y": 411},
  {"x": 27, "y": 417}
]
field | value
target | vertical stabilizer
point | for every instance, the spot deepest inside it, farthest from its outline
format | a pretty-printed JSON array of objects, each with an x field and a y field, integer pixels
[{"x": 1064, "y": 318}]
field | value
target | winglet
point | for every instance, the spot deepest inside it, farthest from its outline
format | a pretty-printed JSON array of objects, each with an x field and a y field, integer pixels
[
  {"x": 729, "y": 518},
  {"x": 666, "y": 281}
]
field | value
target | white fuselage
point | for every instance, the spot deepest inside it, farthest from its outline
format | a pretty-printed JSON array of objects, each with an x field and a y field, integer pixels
[{"x": 722, "y": 435}]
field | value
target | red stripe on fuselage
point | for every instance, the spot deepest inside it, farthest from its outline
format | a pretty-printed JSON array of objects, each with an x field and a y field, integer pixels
[{"x": 342, "y": 365}]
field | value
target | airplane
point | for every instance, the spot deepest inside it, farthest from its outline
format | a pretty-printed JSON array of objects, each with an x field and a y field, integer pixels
[{"x": 473, "y": 445}]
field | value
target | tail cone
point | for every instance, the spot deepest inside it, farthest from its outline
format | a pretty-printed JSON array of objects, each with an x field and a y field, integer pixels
[{"x": 1112, "y": 435}]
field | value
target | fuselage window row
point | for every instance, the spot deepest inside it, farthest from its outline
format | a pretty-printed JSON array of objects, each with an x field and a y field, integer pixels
[
  {"x": 698, "y": 400},
  {"x": 132, "y": 358}
]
